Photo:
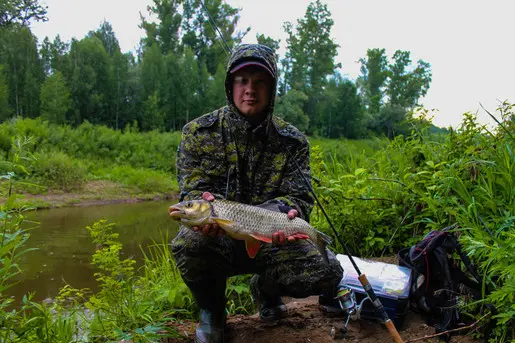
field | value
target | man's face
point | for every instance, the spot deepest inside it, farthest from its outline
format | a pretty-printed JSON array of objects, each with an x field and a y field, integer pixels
[{"x": 251, "y": 88}]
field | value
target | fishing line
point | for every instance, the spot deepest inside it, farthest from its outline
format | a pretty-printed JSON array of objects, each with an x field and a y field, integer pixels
[{"x": 212, "y": 22}]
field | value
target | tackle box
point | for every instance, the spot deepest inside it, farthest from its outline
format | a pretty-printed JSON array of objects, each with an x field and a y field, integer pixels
[{"x": 390, "y": 282}]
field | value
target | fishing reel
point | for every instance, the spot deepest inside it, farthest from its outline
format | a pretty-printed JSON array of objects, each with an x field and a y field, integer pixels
[{"x": 348, "y": 304}]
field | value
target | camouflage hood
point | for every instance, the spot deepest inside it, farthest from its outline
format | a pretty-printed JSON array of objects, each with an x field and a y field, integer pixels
[{"x": 251, "y": 52}]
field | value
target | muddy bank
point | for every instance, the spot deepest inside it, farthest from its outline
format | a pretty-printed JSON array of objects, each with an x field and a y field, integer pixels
[{"x": 97, "y": 192}]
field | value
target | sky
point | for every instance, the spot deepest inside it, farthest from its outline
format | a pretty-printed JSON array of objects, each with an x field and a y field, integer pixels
[{"x": 469, "y": 43}]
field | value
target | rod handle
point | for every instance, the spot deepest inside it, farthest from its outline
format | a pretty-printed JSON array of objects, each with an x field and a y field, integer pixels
[
  {"x": 393, "y": 331},
  {"x": 377, "y": 304}
]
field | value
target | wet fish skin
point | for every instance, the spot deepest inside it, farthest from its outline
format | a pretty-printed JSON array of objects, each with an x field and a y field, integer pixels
[{"x": 248, "y": 223}]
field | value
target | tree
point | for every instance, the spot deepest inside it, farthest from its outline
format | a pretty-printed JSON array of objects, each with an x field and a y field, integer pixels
[
  {"x": 108, "y": 38},
  {"x": 215, "y": 89},
  {"x": 310, "y": 55},
  {"x": 89, "y": 81},
  {"x": 120, "y": 64},
  {"x": 390, "y": 90},
  {"x": 406, "y": 87},
  {"x": 153, "y": 80},
  {"x": 116, "y": 90},
  {"x": 290, "y": 108},
  {"x": 153, "y": 116},
  {"x": 20, "y": 12},
  {"x": 342, "y": 113},
  {"x": 269, "y": 42},
  {"x": 371, "y": 82},
  {"x": 55, "y": 99},
  {"x": 187, "y": 95},
  {"x": 54, "y": 56},
  {"x": 5, "y": 110},
  {"x": 165, "y": 31},
  {"x": 22, "y": 69},
  {"x": 201, "y": 31}
]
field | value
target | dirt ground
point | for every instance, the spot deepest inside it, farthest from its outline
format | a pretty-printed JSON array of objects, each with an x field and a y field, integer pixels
[
  {"x": 96, "y": 192},
  {"x": 306, "y": 323}
]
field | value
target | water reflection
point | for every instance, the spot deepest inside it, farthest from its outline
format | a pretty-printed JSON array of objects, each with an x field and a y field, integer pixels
[{"x": 64, "y": 247}]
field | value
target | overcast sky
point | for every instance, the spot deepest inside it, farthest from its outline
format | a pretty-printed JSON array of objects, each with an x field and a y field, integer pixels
[{"x": 469, "y": 44}]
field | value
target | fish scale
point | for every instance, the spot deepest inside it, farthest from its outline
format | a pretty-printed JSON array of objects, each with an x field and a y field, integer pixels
[{"x": 254, "y": 219}]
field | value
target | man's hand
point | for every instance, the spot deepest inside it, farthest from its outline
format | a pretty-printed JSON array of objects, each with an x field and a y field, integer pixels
[
  {"x": 211, "y": 230},
  {"x": 280, "y": 237}
]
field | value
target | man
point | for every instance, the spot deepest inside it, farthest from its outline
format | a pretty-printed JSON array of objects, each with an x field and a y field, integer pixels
[{"x": 241, "y": 152}]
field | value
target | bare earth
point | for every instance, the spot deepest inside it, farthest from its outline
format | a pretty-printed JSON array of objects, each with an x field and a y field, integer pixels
[
  {"x": 306, "y": 323},
  {"x": 95, "y": 192}
]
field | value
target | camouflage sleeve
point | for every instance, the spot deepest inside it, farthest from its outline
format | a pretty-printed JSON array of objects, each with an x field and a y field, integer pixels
[
  {"x": 192, "y": 179},
  {"x": 293, "y": 191}
]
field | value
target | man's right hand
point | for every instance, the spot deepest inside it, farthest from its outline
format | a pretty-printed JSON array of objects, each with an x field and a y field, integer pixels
[{"x": 211, "y": 230}]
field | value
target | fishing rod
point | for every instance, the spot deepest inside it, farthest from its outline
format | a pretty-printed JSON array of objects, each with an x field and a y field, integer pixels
[
  {"x": 362, "y": 277},
  {"x": 212, "y": 22}
]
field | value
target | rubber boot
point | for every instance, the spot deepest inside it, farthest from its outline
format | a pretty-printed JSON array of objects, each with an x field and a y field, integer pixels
[
  {"x": 210, "y": 298},
  {"x": 270, "y": 305}
]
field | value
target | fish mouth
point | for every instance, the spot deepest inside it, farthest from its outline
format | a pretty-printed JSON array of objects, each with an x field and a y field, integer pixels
[{"x": 175, "y": 212}]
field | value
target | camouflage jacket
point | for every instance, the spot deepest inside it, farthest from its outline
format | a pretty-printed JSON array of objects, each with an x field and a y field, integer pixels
[{"x": 222, "y": 153}]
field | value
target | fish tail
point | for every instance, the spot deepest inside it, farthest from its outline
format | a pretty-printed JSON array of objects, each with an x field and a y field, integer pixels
[{"x": 322, "y": 241}]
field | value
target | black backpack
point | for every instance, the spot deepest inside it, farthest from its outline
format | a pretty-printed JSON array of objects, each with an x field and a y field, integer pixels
[{"x": 442, "y": 274}]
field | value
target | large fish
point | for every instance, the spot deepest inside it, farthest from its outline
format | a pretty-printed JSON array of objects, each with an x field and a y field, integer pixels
[{"x": 248, "y": 223}]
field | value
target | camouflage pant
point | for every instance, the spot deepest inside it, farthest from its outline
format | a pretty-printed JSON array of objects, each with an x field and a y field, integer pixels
[{"x": 293, "y": 269}]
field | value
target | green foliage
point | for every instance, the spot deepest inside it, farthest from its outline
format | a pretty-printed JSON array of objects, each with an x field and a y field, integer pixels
[
  {"x": 146, "y": 180},
  {"x": 58, "y": 170},
  {"x": 67, "y": 157},
  {"x": 22, "y": 69},
  {"x": 310, "y": 57},
  {"x": 372, "y": 80},
  {"x": 55, "y": 99},
  {"x": 289, "y": 107},
  {"x": 5, "y": 110},
  {"x": 163, "y": 280},
  {"x": 153, "y": 118},
  {"x": 390, "y": 91},
  {"x": 405, "y": 87},
  {"x": 128, "y": 306},
  {"x": 238, "y": 295},
  {"x": 388, "y": 198},
  {"x": 31, "y": 322},
  {"x": 21, "y": 12}
]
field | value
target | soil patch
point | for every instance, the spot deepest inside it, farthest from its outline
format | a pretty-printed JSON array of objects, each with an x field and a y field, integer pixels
[
  {"x": 96, "y": 192},
  {"x": 306, "y": 323}
]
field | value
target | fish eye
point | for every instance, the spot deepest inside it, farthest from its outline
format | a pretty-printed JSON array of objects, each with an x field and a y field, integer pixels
[{"x": 189, "y": 204}]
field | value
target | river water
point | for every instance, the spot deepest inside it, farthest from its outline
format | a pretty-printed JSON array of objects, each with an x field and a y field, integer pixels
[{"x": 64, "y": 248}]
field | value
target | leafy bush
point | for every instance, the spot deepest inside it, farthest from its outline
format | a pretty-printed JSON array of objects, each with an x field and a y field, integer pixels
[
  {"x": 146, "y": 180},
  {"x": 58, "y": 170}
]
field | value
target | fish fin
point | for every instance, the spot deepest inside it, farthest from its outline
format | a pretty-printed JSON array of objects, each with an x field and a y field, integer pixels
[
  {"x": 322, "y": 241},
  {"x": 252, "y": 246},
  {"x": 224, "y": 223},
  {"x": 324, "y": 237},
  {"x": 261, "y": 238}
]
